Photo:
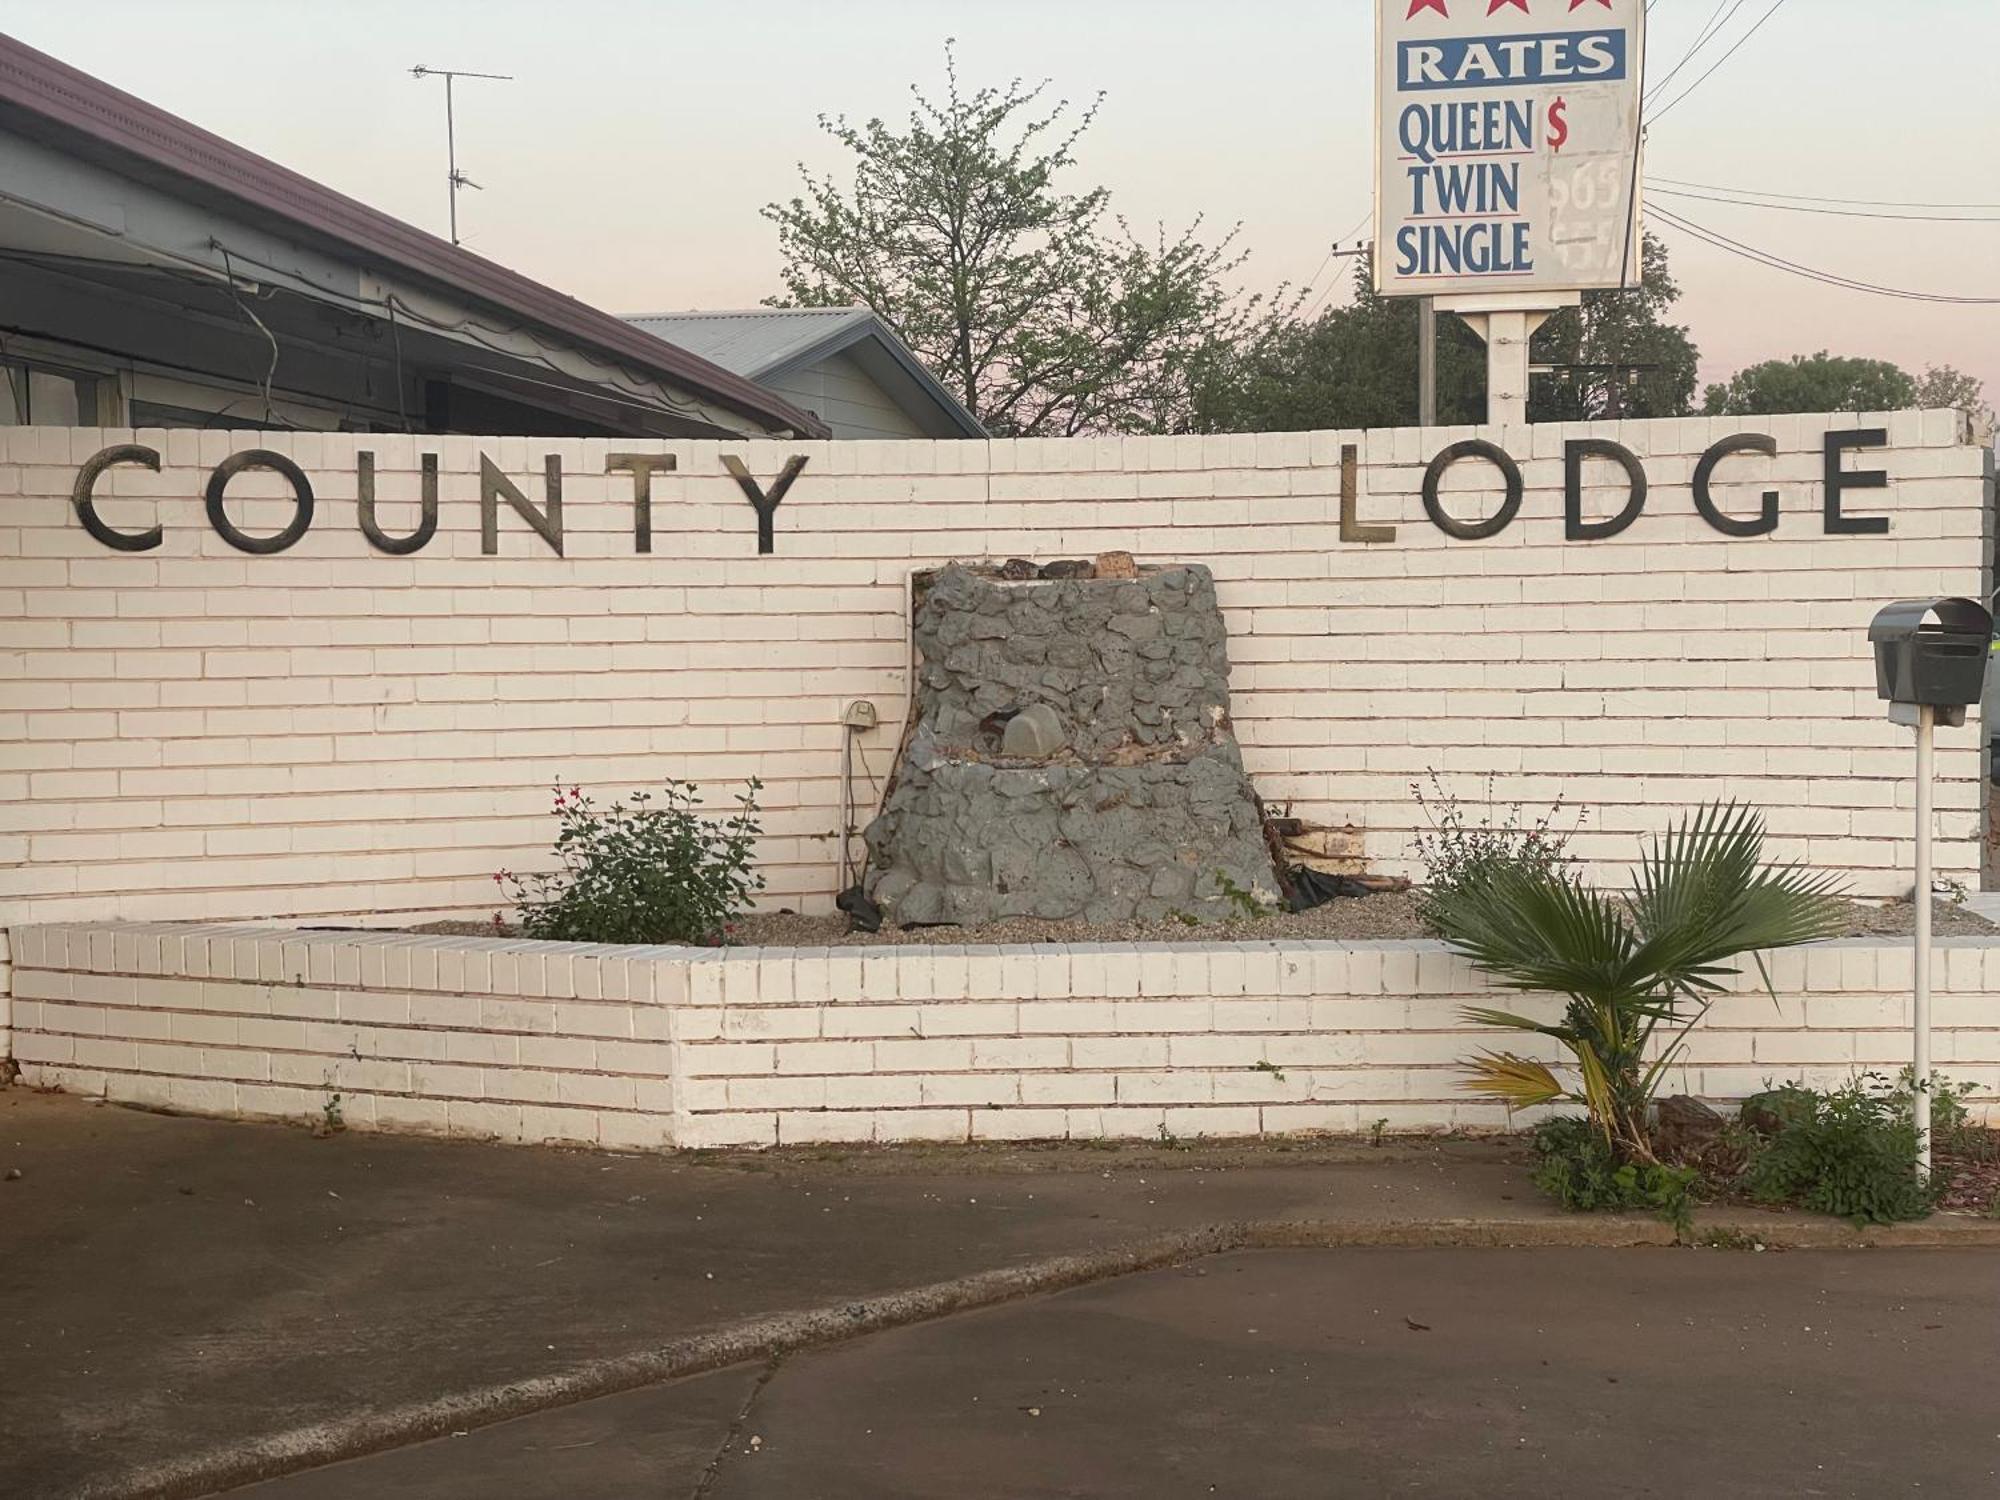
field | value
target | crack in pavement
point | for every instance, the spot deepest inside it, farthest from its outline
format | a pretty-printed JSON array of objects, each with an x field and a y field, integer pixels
[{"x": 714, "y": 1469}]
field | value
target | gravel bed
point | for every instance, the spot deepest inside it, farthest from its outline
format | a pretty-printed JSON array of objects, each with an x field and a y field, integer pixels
[{"x": 1390, "y": 915}]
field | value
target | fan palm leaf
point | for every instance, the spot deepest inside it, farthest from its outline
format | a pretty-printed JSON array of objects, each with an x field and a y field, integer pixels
[{"x": 1701, "y": 899}]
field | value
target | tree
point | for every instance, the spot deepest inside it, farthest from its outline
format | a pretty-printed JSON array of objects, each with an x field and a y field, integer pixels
[
  {"x": 1356, "y": 366},
  {"x": 1943, "y": 387},
  {"x": 1352, "y": 366},
  {"x": 958, "y": 231},
  {"x": 1819, "y": 382},
  {"x": 1616, "y": 355}
]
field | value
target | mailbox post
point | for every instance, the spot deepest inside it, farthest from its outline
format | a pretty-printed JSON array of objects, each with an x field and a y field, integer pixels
[{"x": 1930, "y": 663}]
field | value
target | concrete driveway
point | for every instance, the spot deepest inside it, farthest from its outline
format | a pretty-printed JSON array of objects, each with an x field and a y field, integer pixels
[{"x": 1359, "y": 1372}]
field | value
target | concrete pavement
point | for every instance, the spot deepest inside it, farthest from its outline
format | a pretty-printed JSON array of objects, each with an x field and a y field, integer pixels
[
  {"x": 186, "y": 1303},
  {"x": 1356, "y": 1372}
]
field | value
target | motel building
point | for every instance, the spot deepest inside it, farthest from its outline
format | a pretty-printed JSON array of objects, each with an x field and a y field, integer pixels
[{"x": 327, "y": 548}]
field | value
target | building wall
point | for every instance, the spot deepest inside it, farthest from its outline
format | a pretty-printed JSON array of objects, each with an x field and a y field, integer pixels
[
  {"x": 841, "y": 394},
  {"x": 197, "y": 732},
  {"x": 656, "y": 1047}
]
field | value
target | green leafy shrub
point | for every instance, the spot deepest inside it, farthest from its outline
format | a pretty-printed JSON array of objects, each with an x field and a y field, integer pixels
[
  {"x": 1768, "y": 1113},
  {"x": 1854, "y": 1155},
  {"x": 651, "y": 871},
  {"x": 1456, "y": 849},
  {"x": 1576, "y": 1166}
]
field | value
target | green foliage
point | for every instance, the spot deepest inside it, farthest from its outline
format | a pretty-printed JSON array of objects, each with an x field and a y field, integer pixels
[
  {"x": 1634, "y": 362},
  {"x": 1455, "y": 849},
  {"x": 1246, "y": 902},
  {"x": 1639, "y": 973},
  {"x": 651, "y": 872},
  {"x": 1356, "y": 366},
  {"x": 1777, "y": 1109},
  {"x": 1039, "y": 309},
  {"x": 1578, "y": 1168},
  {"x": 1853, "y": 1156},
  {"x": 1942, "y": 388},
  {"x": 1349, "y": 367},
  {"x": 1812, "y": 383}
]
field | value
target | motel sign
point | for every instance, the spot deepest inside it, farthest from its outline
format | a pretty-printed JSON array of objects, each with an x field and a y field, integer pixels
[{"x": 1508, "y": 143}]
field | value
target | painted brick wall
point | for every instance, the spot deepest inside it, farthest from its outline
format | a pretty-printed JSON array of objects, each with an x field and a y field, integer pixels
[
  {"x": 650, "y": 1047},
  {"x": 194, "y": 732}
]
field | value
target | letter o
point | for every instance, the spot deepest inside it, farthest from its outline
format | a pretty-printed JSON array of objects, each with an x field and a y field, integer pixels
[
  {"x": 260, "y": 458},
  {"x": 1476, "y": 531}
]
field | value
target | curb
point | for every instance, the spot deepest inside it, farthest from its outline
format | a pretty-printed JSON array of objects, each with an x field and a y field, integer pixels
[{"x": 785, "y": 1333}]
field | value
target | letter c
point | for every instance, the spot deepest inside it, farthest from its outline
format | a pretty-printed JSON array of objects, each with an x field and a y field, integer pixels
[{"x": 86, "y": 507}]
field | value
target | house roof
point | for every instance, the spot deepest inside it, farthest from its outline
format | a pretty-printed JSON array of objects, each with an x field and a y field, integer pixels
[
  {"x": 766, "y": 343},
  {"x": 49, "y": 101}
]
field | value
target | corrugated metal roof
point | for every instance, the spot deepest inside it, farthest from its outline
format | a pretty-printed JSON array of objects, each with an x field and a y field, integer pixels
[
  {"x": 763, "y": 343},
  {"x": 757, "y": 341},
  {"x": 50, "y": 100}
]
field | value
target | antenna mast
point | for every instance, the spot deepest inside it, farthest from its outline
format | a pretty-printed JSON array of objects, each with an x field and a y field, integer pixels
[{"x": 456, "y": 178}]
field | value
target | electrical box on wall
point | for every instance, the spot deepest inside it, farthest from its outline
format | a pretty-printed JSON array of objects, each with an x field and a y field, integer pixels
[{"x": 861, "y": 715}]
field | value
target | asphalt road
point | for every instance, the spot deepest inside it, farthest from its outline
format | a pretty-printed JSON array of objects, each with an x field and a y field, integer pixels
[{"x": 1322, "y": 1373}]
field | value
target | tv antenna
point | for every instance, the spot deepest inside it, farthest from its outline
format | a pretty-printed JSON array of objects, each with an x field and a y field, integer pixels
[{"x": 456, "y": 178}]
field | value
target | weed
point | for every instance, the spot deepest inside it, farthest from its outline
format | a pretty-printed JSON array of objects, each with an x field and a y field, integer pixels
[
  {"x": 1267, "y": 1066},
  {"x": 1577, "y": 1167},
  {"x": 1456, "y": 849},
  {"x": 1171, "y": 1141},
  {"x": 648, "y": 872},
  {"x": 1247, "y": 903},
  {"x": 1377, "y": 1131},
  {"x": 331, "y": 1120},
  {"x": 1853, "y": 1156}
]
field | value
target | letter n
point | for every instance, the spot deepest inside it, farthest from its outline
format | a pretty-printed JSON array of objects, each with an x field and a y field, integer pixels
[{"x": 493, "y": 485}]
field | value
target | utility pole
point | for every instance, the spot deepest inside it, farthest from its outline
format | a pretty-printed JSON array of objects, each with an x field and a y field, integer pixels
[
  {"x": 1427, "y": 362},
  {"x": 456, "y": 178}
]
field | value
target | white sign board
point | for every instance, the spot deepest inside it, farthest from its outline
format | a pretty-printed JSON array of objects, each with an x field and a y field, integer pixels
[{"x": 1507, "y": 136}]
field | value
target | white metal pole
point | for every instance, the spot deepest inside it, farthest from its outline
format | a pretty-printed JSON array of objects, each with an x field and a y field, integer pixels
[
  {"x": 1507, "y": 367},
  {"x": 1921, "y": 1064}
]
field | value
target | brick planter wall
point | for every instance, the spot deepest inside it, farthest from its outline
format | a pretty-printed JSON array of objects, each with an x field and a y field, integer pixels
[{"x": 655, "y": 1047}]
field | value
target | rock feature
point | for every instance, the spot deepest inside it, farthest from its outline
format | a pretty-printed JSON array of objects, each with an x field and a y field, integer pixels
[
  {"x": 1116, "y": 565},
  {"x": 1071, "y": 756}
]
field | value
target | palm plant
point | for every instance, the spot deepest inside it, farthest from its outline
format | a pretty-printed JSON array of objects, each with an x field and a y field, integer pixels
[{"x": 1634, "y": 968}]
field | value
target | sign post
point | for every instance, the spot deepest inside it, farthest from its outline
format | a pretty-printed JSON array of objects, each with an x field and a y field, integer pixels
[{"x": 1507, "y": 143}]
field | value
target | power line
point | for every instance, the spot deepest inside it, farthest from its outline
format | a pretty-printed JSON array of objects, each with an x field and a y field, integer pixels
[
  {"x": 1702, "y": 38},
  {"x": 1829, "y": 278},
  {"x": 1681, "y": 97},
  {"x": 1827, "y": 209},
  {"x": 1711, "y": 187},
  {"x": 1331, "y": 253}
]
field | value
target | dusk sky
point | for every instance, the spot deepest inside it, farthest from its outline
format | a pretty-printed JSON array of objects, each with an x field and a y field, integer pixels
[{"x": 627, "y": 162}]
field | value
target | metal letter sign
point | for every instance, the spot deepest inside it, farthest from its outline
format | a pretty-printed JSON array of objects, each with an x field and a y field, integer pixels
[{"x": 1507, "y": 137}]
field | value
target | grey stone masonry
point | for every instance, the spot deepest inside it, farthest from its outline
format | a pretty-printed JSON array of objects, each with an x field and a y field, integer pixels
[{"x": 1071, "y": 757}]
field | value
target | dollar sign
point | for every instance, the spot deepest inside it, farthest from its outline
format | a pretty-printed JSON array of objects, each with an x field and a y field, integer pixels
[{"x": 1558, "y": 127}]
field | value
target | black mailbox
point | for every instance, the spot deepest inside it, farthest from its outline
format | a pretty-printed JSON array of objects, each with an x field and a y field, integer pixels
[{"x": 1931, "y": 651}]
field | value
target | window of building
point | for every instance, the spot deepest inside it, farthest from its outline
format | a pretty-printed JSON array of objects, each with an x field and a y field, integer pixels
[{"x": 37, "y": 395}]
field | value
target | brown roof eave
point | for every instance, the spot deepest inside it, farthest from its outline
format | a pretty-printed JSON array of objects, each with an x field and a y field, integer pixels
[{"x": 64, "y": 106}]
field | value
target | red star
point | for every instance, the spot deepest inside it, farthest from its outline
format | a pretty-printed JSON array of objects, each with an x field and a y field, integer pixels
[
  {"x": 1579, "y": 4},
  {"x": 1496, "y": 4},
  {"x": 1436, "y": 5}
]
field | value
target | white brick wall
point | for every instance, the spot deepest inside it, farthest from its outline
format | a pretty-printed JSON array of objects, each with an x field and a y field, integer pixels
[
  {"x": 194, "y": 732},
  {"x": 650, "y": 1047}
]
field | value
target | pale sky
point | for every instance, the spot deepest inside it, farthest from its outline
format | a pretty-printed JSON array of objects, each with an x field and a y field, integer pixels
[{"x": 627, "y": 162}]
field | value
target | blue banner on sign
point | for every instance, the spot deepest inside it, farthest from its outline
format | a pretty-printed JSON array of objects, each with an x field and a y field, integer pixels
[{"x": 1484, "y": 62}]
